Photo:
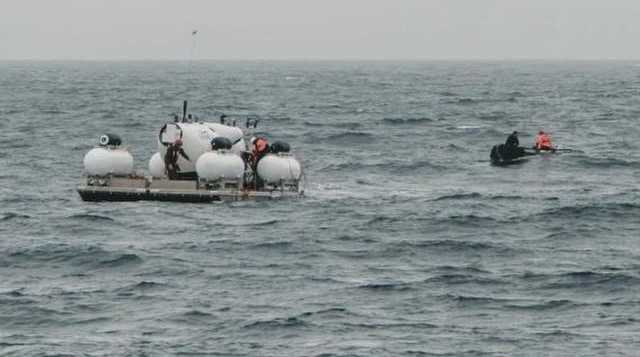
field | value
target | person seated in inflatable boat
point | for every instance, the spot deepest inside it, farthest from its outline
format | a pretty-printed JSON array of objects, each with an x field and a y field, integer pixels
[
  {"x": 512, "y": 141},
  {"x": 543, "y": 142},
  {"x": 511, "y": 148}
]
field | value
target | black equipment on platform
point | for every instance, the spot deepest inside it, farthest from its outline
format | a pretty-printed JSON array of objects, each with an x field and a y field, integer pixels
[
  {"x": 220, "y": 143},
  {"x": 279, "y": 146},
  {"x": 110, "y": 140}
]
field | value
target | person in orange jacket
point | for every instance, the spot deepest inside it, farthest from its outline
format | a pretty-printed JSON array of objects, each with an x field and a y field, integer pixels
[
  {"x": 260, "y": 147},
  {"x": 543, "y": 141}
]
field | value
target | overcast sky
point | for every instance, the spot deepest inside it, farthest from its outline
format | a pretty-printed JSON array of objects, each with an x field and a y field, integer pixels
[{"x": 320, "y": 29}]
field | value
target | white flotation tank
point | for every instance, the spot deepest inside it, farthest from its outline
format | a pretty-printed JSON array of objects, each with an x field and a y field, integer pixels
[
  {"x": 273, "y": 168},
  {"x": 156, "y": 166},
  {"x": 196, "y": 140},
  {"x": 102, "y": 161},
  {"x": 216, "y": 165}
]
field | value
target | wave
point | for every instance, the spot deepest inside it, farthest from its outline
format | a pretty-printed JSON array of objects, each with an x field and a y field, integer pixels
[
  {"x": 478, "y": 196},
  {"x": 545, "y": 305},
  {"x": 14, "y": 293},
  {"x": 468, "y": 220},
  {"x": 464, "y": 101},
  {"x": 387, "y": 325},
  {"x": 473, "y": 300},
  {"x": 278, "y": 118},
  {"x": 605, "y": 322},
  {"x": 607, "y": 163},
  {"x": 278, "y": 323},
  {"x": 121, "y": 260},
  {"x": 602, "y": 210},
  {"x": 325, "y": 106},
  {"x": 273, "y": 245},
  {"x": 352, "y": 137},
  {"x": 52, "y": 111},
  {"x": 495, "y": 116},
  {"x": 328, "y": 311},
  {"x": 129, "y": 290},
  {"x": 85, "y": 257},
  {"x": 391, "y": 286},
  {"x": 584, "y": 280},
  {"x": 463, "y": 274},
  {"x": 407, "y": 121},
  {"x": 461, "y": 269},
  {"x": 395, "y": 166},
  {"x": 458, "y": 196},
  {"x": 90, "y": 217},
  {"x": 248, "y": 223},
  {"x": 196, "y": 314},
  {"x": 456, "y": 245},
  {"x": 513, "y": 304},
  {"x": 470, "y": 128},
  {"x": 12, "y": 215},
  {"x": 339, "y": 125},
  {"x": 461, "y": 278},
  {"x": 516, "y": 197}
]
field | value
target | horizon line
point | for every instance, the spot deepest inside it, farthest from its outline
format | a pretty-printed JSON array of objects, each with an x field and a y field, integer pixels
[{"x": 354, "y": 59}]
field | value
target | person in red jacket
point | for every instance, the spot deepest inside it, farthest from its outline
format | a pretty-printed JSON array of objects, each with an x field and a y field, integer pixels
[
  {"x": 543, "y": 141},
  {"x": 260, "y": 147}
]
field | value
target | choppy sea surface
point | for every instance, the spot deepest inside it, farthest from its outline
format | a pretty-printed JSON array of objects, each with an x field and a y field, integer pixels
[{"x": 408, "y": 242}]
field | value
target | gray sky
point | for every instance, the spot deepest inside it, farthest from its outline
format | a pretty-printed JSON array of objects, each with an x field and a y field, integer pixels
[{"x": 320, "y": 29}]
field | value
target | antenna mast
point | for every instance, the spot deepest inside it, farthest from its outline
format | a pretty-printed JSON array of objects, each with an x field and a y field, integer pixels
[{"x": 189, "y": 72}]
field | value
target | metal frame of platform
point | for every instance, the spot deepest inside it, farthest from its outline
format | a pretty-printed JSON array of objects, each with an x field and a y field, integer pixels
[{"x": 116, "y": 189}]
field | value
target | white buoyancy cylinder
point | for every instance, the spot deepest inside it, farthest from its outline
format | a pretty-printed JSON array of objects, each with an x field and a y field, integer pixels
[
  {"x": 102, "y": 161},
  {"x": 196, "y": 140},
  {"x": 216, "y": 165},
  {"x": 273, "y": 168},
  {"x": 156, "y": 166}
]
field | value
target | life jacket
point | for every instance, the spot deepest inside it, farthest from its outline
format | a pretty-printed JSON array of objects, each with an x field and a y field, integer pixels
[{"x": 543, "y": 142}]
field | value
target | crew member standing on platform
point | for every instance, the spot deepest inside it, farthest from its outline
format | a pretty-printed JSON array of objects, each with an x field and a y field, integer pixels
[{"x": 171, "y": 159}]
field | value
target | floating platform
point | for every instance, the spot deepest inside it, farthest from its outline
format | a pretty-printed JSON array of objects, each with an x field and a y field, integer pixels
[{"x": 120, "y": 189}]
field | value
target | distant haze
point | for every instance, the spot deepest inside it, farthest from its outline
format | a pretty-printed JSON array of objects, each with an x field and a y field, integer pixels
[{"x": 320, "y": 29}]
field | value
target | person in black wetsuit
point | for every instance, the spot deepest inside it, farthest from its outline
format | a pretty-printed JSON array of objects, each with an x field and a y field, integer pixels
[
  {"x": 512, "y": 148},
  {"x": 171, "y": 159},
  {"x": 512, "y": 141}
]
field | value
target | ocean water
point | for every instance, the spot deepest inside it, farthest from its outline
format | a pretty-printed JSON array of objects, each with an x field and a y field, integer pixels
[{"x": 408, "y": 242}]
